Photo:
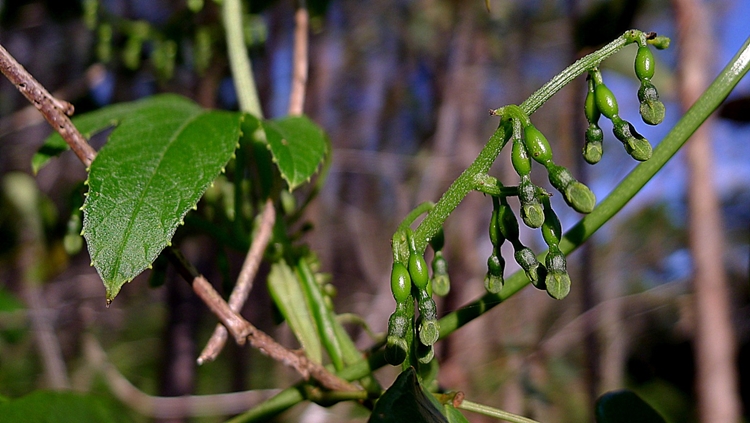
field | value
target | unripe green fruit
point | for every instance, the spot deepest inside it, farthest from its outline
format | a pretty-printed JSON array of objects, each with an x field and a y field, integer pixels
[
  {"x": 496, "y": 237},
  {"x": 528, "y": 262},
  {"x": 438, "y": 240},
  {"x": 606, "y": 101},
  {"x": 592, "y": 112},
  {"x": 418, "y": 271},
  {"x": 537, "y": 144},
  {"x": 644, "y": 63},
  {"x": 557, "y": 281},
  {"x": 577, "y": 195},
  {"x": 493, "y": 282},
  {"x": 551, "y": 229},
  {"x": 400, "y": 282},
  {"x": 635, "y": 144},
  {"x": 520, "y": 158},
  {"x": 507, "y": 222},
  {"x": 441, "y": 283}
]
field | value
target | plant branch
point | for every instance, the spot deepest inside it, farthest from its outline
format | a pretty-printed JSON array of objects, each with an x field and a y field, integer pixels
[
  {"x": 243, "y": 330},
  {"x": 244, "y": 281},
  {"x": 239, "y": 62},
  {"x": 55, "y": 111}
]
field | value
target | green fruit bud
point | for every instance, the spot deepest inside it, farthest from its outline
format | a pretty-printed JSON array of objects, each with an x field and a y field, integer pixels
[
  {"x": 418, "y": 271},
  {"x": 520, "y": 158},
  {"x": 400, "y": 282},
  {"x": 537, "y": 144},
  {"x": 493, "y": 281},
  {"x": 425, "y": 353},
  {"x": 551, "y": 229},
  {"x": 660, "y": 42},
  {"x": 635, "y": 144},
  {"x": 441, "y": 283},
  {"x": 577, "y": 195},
  {"x": 592, "y": 112},
  {"x": 395, "y": 350},
  {"x": 438, "y": 240},
  {"x": 557, "y": 280},
  {"x": 528, "y": 262},
  {"x": 507, "y": 222},
  {"x": 644, "y": 63},
  {"x": 606, "y": 101}
]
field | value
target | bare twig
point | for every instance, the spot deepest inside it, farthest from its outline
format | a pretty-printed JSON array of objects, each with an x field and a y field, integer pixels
[
  {"x": 300, "y": 66},
  {"x": 241, "y": 330},
  {"x": 55, "y": 111},
  {"x": 244, "y": 281},
  {"x": 168, "y": 407}
]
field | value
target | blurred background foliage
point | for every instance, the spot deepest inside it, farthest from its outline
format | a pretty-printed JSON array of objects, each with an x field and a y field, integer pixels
[{"x": 403, "y": 88}]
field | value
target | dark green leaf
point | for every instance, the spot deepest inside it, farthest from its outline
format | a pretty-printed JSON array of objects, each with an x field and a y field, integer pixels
[
  {"x": 625, "y": 407},
  {"x": 90, "y": 123},
  {"x": 154, "y": 168},
  {"x": 406, "y": 402},
  {"x": 286, "y": 291},
  {"x": 298, "y": 147},
  {"x": 58, "y": 407}
]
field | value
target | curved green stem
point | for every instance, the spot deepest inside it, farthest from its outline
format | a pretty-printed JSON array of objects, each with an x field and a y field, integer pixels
[
  {"x": 239, "y": 62},
  {"x": 494, "y": 412},
  {"x": 414, "y": 214},
  {"x": 463, "y": 184}
]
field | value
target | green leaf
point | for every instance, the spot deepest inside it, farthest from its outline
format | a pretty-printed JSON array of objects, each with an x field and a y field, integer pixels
[
  {"x": 152, "y": 171},
  {"x": 286, "y": 291},
  {"x": 406, "y": 402},
  {"x": 298, "y": 147},
  {"x": 59, "y": 407},
  {"x": 625, "y": 407},
  {"x": 91, "y": 123}
]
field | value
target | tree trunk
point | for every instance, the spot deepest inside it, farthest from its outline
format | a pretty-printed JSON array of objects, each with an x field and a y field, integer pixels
[{"x": 714, "y": 344}]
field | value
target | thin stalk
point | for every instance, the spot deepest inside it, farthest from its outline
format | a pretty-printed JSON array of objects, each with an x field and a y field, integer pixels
[
  {"x": 494, "y": 412},
  {"x": 239, "y": 62}
]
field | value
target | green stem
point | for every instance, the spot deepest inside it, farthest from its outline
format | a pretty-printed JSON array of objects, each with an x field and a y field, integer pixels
[
  {"x": 694, "y": 117},
  {"x": 239, "y": 62},
  {"x": 494, "y": 412},
  {"x": 414, "y": 214}
]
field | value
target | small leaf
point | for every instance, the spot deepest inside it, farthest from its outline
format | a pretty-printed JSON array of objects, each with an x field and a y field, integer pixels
[
  {"x": 154, "y": 168},
  {"x": 286, "y": 291},
  {"x": 406, "y": 402},
  {"x": 59, "y": 407},
  {"x": 625, "y": 407},
  {"x": 298, "y": 147},
  {"x": 89, "y": 124}
]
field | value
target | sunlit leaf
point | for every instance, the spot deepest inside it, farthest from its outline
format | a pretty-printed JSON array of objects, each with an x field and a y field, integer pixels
[
  {"x": 91, "y": 123},
  {"x": 298, "y": 147},
  {"x": 156, "y": 165}
]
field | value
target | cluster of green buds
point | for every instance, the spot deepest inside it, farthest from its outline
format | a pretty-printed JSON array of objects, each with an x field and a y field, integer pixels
[
  {"x": 601, "y": 101},
  {"x": 410, "y": 281},
  {"x": 529, "y": 143}
]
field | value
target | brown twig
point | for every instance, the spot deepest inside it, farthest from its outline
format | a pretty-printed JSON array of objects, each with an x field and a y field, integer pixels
[
  {"x": 241, "y": 330},
  {"x": 55, "y": 111},
  {"x": 168, "y": 407},
  {"x": 300, "y": 66},
  {"x": 244, "y": 281}
]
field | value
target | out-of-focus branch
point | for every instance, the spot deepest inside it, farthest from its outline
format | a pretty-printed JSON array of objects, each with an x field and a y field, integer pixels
[
  {"x": 168, "y": 407},
  {"x": 55, "y": 111},
  {"x": 300, "y": 66},
  {"x": 244, "y": 281}
]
